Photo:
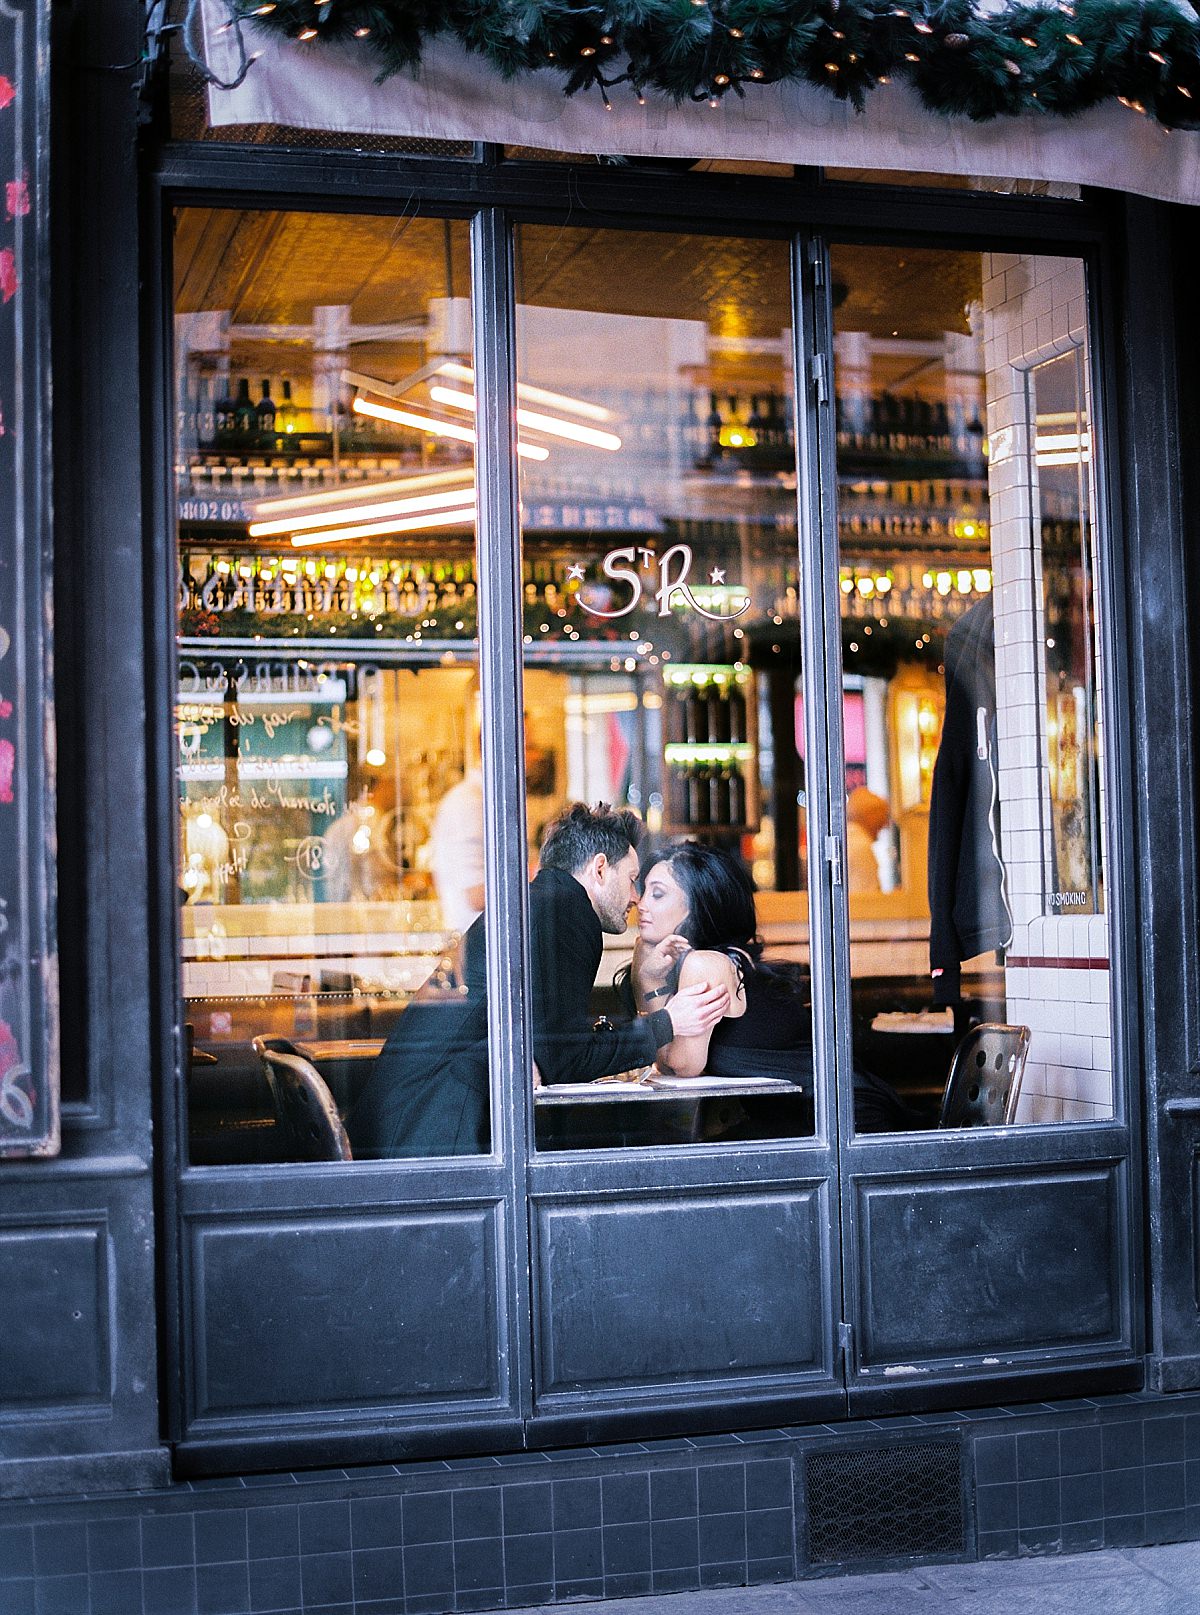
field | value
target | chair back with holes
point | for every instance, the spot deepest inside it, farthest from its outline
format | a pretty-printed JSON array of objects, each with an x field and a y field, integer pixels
[
  {"x": 984, "y": 1082},
  {"x": 305, "y": 1112}
]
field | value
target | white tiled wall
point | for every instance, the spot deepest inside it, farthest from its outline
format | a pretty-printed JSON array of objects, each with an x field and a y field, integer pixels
[
  {"x": 1033, "y": 310},
  {"x": 217, "y": 966}
]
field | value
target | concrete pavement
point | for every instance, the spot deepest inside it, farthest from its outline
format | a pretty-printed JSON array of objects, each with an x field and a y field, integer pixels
[{"x": 1129, "y": 1581}]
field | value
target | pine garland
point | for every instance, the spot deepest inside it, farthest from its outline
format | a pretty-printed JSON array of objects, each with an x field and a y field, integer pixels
[{"x": 1059, "y": 58}]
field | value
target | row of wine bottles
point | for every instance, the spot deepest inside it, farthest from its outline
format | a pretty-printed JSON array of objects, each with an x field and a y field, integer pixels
[
  {"x": 889, "y": 425},
  {"x": 703, "y": 794},
  {"x": 214, "y": 415},
  {"x": 709, "y": 713},
  {"x": 733, "y": 425}
]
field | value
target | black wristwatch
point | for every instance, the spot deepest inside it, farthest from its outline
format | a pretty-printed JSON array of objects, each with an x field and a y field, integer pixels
[{"x": 659, "y": 992}]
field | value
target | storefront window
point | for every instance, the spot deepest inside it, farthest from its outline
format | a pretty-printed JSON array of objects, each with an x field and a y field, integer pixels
[
  {"x": 979, "y": 945},
  {"x": 327, "y": 717},
  {"x": 662, "y": 677}
]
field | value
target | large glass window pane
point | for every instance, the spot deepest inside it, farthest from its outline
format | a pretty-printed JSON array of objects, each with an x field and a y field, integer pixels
[
  {"x": 662, "y": 677},
  {"x": 330, "y": 840},
  {"x": 979, "y": 941}
]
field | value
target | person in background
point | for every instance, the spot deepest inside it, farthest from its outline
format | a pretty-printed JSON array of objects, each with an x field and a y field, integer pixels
[
  {"x": 866, "y": 815},
  {"x": 456, "y": 841},
  {"x": 429, "y": 1094},
  {"x": 456, "y": 851}
]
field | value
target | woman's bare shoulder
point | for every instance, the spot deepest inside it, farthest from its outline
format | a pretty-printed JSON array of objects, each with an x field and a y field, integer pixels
[{"x": 707, "y": 965}]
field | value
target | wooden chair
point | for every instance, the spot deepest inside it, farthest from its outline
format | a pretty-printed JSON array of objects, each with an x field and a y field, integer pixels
[
  {"x": 305, "y": 1112},
  {"x": 984, "y": 1081}
]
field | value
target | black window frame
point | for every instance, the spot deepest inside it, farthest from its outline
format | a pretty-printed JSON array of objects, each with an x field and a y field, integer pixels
[{"x": 495, "y": 195}]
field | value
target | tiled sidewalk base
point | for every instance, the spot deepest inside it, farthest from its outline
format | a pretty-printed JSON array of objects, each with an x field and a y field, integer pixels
[{"x": 618, "y": 1521}]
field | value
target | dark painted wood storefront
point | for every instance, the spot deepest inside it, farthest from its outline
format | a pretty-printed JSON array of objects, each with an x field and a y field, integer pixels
[{"x": 462, "y": 1382}]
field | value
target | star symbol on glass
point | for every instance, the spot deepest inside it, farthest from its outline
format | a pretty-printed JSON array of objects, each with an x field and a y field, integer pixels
[
  {"x": 717, "y": 575},
  {"x": 575, "y": 571}
]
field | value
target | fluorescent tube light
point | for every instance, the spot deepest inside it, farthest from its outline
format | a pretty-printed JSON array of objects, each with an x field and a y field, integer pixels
[
  {"x": 538, "y": 395},
  {"x": 398, "y": 487},
  {"x": 402, "y": 524},
  {"x": 453, "y": 497},
  {"x": 426, "y": 423},
  {"x": 550, "y": 424}
]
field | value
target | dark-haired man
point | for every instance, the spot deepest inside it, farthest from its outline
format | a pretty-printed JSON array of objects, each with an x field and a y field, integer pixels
[{"x": 428, "y": 1093}]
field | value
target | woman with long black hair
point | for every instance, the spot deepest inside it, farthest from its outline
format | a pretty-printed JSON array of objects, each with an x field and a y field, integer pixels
[
  {"x": 703, "y": 898},
  {"x": 699, "y": 900}
]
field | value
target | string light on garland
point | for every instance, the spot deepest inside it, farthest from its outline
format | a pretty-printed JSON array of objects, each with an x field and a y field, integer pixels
[{"x": 960, "y": 59}]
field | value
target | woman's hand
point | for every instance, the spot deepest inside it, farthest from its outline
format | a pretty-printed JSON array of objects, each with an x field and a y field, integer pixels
[{"x": 653, "y": 963}]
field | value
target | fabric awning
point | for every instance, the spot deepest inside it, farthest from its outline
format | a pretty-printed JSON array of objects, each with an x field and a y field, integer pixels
[{"x": 459, "y": 96}]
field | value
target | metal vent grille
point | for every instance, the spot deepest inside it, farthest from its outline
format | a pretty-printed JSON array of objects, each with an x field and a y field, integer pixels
[{"x": 884, "y": 1502}]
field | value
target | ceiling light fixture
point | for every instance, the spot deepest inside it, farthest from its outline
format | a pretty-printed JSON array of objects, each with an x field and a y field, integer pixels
[
  {"x": 453, "y": 498},
  {"x": 550, "y": 424},
  {"x": 426, "y": 423},
  {"x": 404, "y": 524},
  {"x": 399, "y": 487},
  {"x": 538, "y": 395}
]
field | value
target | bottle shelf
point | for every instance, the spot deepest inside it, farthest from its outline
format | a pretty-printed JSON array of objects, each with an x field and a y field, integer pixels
[
  {"x": 708, "y": 751},
  {"x": 723, "y": 832}
]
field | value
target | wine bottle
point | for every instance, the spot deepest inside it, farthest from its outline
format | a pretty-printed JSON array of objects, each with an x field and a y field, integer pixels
[
  {"x": 285, "y": 415},
  {"x": 265, "y": 410},
  {"x": 245, "y": 419},
  {"x": 737, "y": 797},
  {"x": 224, "y": 409},
  {"x": 737, "y": 715},
  {"x": 718, "y": 712},
  {"x": 695, "y": 716},
  {"x": 678, "y": 785},
  {"x": 719, "y": 794},
  {"x": 713, "y": 425},
  {"x": 698, "y": 802},
  {"x": 205, "y": 412}
]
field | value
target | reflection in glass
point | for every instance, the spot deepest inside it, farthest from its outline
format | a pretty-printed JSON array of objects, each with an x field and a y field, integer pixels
[
  {"x": 327, "y": 718},
  {"x": 662, "y": 654},
  {"x": 1057, "y": 410},
  {"x": 971, "y": 714}
]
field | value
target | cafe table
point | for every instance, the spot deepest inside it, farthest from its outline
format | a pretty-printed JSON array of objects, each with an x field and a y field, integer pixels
[{"x": 572, "y": 1114}]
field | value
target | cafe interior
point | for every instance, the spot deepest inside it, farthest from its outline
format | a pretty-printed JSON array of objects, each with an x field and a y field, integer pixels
[{"x": 328, "y": 713}]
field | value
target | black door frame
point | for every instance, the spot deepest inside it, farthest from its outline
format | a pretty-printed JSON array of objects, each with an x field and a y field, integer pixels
[
  {"x": 1010, "y": 1163},
  {"x": 495, "y": 195}
]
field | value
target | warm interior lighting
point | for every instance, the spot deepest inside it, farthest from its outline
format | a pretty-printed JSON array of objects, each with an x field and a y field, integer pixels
[
  {"x": 402, "y": 524},
  {"x": 537, "y": 395},
  {"x": 267, "y": 508},
  {"x": 406, "y": 417},
  {"x": 1053, "y": 442},
  {"x": 1063, "y": 457},
  {"x": 451, "y": 498},
  {"x": 533, "y": 420},
  {"x": 426, "y": 423}
]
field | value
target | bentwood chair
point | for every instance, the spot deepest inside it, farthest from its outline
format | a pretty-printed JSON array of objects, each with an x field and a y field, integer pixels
[
  {"x": 984, "y": 1081},
  {"x": 305, "y": 1112}
]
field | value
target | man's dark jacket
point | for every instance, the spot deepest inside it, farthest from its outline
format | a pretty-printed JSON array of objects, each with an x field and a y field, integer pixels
[
  {"x": 428, "y": 1093},
  {"x": 968, "y": 898}
]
